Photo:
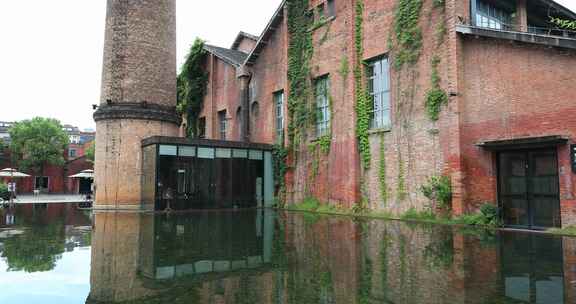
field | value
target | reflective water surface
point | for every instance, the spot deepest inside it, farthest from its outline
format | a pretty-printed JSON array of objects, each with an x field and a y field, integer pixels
[{"x": 58, "y": 254}]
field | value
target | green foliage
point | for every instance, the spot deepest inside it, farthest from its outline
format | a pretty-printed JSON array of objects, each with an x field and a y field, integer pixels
[
  {"x": 363, "y": 102},
  {"x": 324, "y": 143},
  {"x": 90, "y": 152},
  {"x": 436, "y": 97},
  {"x": 37, "y": 249},
  {"x": 439, "y": 253},
  {"x": 438, "y": 189},
  {"x": 570, "y": 230},
  {"x": 4, "y": 193},
  {"x": 191, "y": 85},
  {"x": 408, "y": 33},
  {"x": 308, "y": 204},
  {"x": 300, "y": 50},
  {"x": 280, "y": 157},
  {"x": 488, "y": 216},
  {"x": 438, "y": 3},
  {"x": 413, "y": 214},
  {"x": 344, "y": 67},
  {"x": 382, "y": 171},
  {"x": 563, "y": 23},
  {"x": 401, "y": 191},
  {"x": 360, "y": 207},
  {"x": 37, "y": 142}
]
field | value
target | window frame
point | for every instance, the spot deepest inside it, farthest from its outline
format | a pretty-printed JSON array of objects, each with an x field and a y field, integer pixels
[
  {"x": 202, "y": 127},
  {"x": 380, "y": 93},
  {"x": 322, "y": 105},
  {"x": 279, "y": 115},
  {"x": 331, "y": 8},
  {"x": 222, "y": 124}
]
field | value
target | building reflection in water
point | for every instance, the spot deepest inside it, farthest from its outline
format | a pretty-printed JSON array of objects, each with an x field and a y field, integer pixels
[{"x": 268, "y": 257}]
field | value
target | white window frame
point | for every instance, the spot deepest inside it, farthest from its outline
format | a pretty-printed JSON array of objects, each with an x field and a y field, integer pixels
[
  {"x": 379, "y": 91},
  {"x": 322, "y": 96}
]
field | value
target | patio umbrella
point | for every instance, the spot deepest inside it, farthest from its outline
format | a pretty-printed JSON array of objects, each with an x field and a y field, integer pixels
[
  {"x": 84, "y": 174},
  {"x": 12, "y": 173}
]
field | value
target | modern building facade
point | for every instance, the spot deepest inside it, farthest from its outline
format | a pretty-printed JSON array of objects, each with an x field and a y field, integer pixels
[{"x": 373, "y": 98}]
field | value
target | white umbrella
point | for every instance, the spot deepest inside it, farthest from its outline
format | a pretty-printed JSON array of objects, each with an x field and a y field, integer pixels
[
  {"x": 84, "y": 174},
  {"x": 9, "y": 172}
]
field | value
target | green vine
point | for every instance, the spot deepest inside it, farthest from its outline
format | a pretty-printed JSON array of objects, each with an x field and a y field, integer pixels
[
  {"x": 401, "y": 192},
  {"x": 438, "y": 190},
  {"x": 408, "y": 33},
  {"x": 191, "y": 86},
  {"x": 280, "y": 156},
  {"x": 436, "y": 97},
  {"x": 300, "y": 50},
  {"x": 563, "y": 23},
  {"x": 382, "y": 171},
  {"x": 344, "y": 68},
  {"x": 362, "y": 98}
]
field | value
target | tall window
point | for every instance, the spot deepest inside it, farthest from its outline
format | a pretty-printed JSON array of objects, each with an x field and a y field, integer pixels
[
  {"x": 279, "y": 116},
  {"x": 322, "y": 87},
  {"x": 202, "y": 127},
  {"x": 71, "y": 153},
  {"x": 331, "y": 8},
  {"x": 379, "y": 90},
  {"x": 222, "y": 123},
  {"x": 490, "y": 16}
]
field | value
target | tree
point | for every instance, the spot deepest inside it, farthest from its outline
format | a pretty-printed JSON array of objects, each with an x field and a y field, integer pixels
[
  {"x": 37, "y": 142},
  {"x": 90, "y": 152}
]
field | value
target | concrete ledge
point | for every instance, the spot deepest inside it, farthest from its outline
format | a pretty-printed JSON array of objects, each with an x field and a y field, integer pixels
[
  {"x": 554, "y": 41},
  {"x": 137, "y": 207}
]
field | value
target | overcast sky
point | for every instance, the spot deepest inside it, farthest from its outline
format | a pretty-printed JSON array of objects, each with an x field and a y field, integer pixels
[{"x": 51, "y": 51}]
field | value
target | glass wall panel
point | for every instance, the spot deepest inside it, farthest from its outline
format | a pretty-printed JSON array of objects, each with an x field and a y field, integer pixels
[
  {"x": 148, "y": 174},
  {"x": 223, "y": 153},
  {"x": 256, "y": 155},
  {"x": 240, "y": 153},
  {"x": 207, "y": 153},
  {"x": 187, "y": 151},
  {"x": 168, "y": 150}
]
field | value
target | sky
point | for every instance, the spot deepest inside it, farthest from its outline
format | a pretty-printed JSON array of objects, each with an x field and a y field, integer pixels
[{"x": 51, "y": 51}]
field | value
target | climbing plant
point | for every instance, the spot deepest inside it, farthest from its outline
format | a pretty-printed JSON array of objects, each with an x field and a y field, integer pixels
[
  {"x": 382, "y": 171},
  {"x": 280, "y": 155},
  {"x": 363, "y": 103},
  {"x": 436, "y": 97},
  {"x": 401, "y": 191},
  {"x": 191, "y": 86},
  {"x": 300, "y": 50},
  {"x": 563, "y": 23},
  {"x": 438, "y": 189},
  {"x": 407, "y": 32}
]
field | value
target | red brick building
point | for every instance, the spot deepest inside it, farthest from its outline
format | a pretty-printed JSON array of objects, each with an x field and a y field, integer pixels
[
  {"x": 480, "y": 91},
  {"x": 55, "y": 179}
]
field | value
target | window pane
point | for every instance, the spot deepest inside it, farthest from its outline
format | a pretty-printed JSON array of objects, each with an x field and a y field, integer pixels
[
  {"x": 207, "y": 153},
  {"x": 256, "y": 155},
  {"x": 168, "y": 150},
  {"x": 187, "y": 151},
  {"x": 240, "y": 153},
  {"x": 223, "y": 153}
]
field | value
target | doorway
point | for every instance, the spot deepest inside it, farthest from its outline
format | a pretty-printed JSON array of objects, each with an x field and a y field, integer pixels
[{"x": 529, "y": 190}]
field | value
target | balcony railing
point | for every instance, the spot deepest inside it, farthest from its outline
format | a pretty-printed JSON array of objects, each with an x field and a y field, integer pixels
[{"x": 547, "y": 31}]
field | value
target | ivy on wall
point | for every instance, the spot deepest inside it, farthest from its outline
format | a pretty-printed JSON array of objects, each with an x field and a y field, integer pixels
[
  {"x": 436, "y": 97},
  {"x": 408, "y": 33},
  {"x": 563, "y": 23},
  {"x": 363, "y": 104},
  {"x": 300, "y": 50},
  {"x": 191, "y": 86},
  {"x": 382, "y": 171}
]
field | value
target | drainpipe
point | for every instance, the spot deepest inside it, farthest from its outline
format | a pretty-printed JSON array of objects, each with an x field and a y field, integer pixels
[
  {"x": 244, "y": 77},
  {"x": 521, "y": 16}
]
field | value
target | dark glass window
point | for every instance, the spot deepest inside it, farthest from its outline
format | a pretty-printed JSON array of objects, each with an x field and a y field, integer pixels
[
  {"x": 379, "y": 91},
  {"x": 490, "y": 16},
  {"x": 202, "y": 127},
  {"x": 331, "y": 8},
  {"x": 320, "y": 12},
  {"x": 72, "y": 153},
  {"x": 222, "y": 124},
  {"x": 322, "y": 88},
  {"x": 279, "y": 115}
]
